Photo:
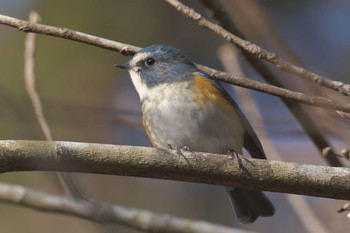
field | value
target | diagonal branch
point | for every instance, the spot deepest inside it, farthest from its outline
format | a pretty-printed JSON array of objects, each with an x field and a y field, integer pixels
[
  {"x": 302, "y": 209},
  {"x": 198, "y": 167},
  {"x": 126, "y": 49},
  {"x": 260, "y": 52},
  {"x": 317, "y": 101},
  {"x": 88, "y": 209},
  {"x": 300, "y": 113},
  {"x": 69, "y": 34},
  {"x": 137, "y": 219}
]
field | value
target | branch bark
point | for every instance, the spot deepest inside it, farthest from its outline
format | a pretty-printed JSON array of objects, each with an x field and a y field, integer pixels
[
  {"x": 69, "y": 34},
  {"x": 128, "y": 50},
  {"x": 198, "y": 167},
  {"x": 260, "y": 52},
  {"x": 317, "y": 101},
  {"x": 302, "y": 209},
  {"x": 135, "y": 218},
  {"x": 300, "y": 113}
]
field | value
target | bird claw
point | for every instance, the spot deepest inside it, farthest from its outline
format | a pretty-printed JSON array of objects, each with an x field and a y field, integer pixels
[
  {"x": 178, "y": 150},
  {"x": 239, "y": 159}
]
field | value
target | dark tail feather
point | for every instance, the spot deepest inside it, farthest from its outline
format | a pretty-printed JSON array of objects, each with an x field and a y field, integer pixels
[{"x": 249, "y": 204}]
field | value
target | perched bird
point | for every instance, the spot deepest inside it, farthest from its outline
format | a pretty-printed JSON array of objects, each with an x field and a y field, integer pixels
[{"x": 184, "y": 107}]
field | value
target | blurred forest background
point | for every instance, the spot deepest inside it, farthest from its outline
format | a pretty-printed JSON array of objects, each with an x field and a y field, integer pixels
[{"x": 86, "y": 99}]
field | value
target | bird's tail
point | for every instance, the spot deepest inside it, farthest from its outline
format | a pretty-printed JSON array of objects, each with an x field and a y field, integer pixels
[{"x": 249, "y": 204}]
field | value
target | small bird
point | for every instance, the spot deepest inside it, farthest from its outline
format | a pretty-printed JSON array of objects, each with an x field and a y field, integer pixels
[{"x": 183, "y": 107}]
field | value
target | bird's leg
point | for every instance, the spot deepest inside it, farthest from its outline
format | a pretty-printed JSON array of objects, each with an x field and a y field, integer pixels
[
  {"x": 239, "y": 158},
  {"x": 179, "y": 152},
  {"x": 236, "y": 156},
  {"x": 176, "y": 149}
]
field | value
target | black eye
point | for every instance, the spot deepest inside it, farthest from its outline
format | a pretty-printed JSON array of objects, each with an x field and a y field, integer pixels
[{"x": 150, "y": 61}]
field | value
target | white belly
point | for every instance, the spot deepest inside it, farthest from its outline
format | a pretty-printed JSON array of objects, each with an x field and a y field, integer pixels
[{"x": 174, "y": 118}]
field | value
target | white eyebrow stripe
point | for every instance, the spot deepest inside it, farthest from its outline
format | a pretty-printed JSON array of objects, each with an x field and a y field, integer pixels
[{"x": 140, "y": 57}]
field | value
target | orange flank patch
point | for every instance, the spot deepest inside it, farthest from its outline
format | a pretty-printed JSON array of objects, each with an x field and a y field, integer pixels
[
  {"x": 146, "y": 127},
  {"x": 207, "y": 92}
]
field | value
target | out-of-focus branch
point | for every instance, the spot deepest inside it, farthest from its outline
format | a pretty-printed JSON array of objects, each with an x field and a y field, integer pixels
[
  {"x": 299, "y": 112},
  {"x": 134, "y": 218},
  {"x": 29, "y": 79},
  {"x": 252, "y": 18},
  {"x": 260, "y": 52},
  {"x": 88, "y": 209},
  {"x": 300, "y": 206},
  {"x": 163, "y": 164},
  {"x": 126, "y": 49}
]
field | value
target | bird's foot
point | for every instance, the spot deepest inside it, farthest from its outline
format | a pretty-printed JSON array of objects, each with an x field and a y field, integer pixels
[
  {"x": 239, "y": 159},
  {"x": 179, "y": 150}
]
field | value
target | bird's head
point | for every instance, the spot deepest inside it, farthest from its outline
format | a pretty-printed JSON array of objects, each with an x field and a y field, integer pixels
[{"x": 158, "y": 65}]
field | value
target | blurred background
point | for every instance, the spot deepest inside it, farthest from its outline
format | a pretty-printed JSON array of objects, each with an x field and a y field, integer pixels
[{"x": 86, "y": 99}]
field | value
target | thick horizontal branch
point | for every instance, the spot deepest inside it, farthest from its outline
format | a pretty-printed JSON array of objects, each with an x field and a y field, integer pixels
[
  {"x": 126, "y": 49},
  {"x": 207, "y": 168},
  {"x": 138, "y": 219},
  {"x": 260, "y": 52}
]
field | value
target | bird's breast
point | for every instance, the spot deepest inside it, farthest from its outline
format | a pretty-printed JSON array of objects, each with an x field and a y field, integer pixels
[{"x": 177, "y": 115}]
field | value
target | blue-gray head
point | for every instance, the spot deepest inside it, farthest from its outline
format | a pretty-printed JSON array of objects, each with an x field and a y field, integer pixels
[{"x": 158, "y": 64}]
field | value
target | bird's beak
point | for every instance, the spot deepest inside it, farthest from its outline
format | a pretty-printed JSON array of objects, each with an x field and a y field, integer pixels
[{"x": 125, "y": 66}]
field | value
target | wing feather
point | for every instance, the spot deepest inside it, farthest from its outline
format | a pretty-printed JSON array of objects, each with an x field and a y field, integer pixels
[{"x": 251, "y": 141}]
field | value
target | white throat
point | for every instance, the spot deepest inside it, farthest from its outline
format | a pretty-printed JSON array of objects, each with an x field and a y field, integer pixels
[{"x": 140, "y": 86}]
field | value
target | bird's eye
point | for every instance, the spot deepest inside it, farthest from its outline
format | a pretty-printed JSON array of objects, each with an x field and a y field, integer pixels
[{"x": 150, "y": 61}]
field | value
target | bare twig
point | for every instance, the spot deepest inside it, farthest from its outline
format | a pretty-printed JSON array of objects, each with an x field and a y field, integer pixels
[
  {"x": 251, "y": 15},
  {"x": 298, "y": 203},
  {"x": 135, "y": 218},
  {"x": 82, "y": 207},
  {"x": 69, "y": 34},
  {"x": 301, "y": 114},
  {"x": 29, "y": 78},
  {"x": 260, "y": 52},
  {"x": 126, "y": 49},
  {"x": 208, "y": 168},
  {"x": 273, "y": 90}
]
